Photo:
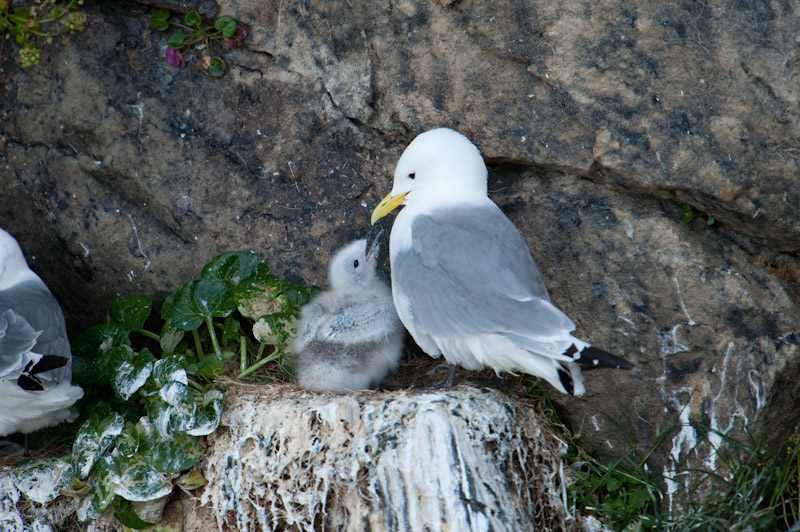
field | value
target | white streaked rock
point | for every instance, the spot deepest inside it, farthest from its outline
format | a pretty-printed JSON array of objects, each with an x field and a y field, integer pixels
[{"x": 457, "y": 459}]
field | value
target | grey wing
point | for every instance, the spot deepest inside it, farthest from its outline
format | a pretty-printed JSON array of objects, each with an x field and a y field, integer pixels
[
  {"x": 469, "y": 271},
  {"x": 32, "y": 301},
  {"x": 17, "y": 338}
]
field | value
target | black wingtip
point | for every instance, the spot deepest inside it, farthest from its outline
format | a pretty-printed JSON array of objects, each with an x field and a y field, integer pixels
[
  {"x": 566, "y": 380},
  {"x": 48, "y": 362},
  {"x": 29, "y": 383},
  {"x": 597, "y": 358}
]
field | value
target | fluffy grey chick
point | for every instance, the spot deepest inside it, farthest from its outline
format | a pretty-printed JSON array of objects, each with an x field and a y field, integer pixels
[
  {"x": 35, "y": 357},
  {"x": 349, "y": 337}
]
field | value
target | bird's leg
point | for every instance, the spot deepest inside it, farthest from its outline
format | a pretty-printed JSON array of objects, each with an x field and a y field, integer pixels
[
  {"x": 448, "y": 382},
  {"x": 27, "y": 451},
  {"x": 451, "y": 378}
]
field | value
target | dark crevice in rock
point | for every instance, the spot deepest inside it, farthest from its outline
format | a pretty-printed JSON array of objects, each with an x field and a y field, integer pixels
[
  {"x": 130, "y": 190},
  {"x": 251, "y": 70},
  {"x": 760, "y": 81}
]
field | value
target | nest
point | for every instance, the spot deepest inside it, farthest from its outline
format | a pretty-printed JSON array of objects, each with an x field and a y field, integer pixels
[{"x": 463, "y": 458}]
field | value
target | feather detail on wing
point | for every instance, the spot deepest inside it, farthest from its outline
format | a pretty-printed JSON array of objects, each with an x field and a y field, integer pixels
[{"x": 469, "y": 272}]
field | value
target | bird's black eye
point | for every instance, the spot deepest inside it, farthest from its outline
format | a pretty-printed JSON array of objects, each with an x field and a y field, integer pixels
[
  {"x": 355, "y": 263},
  {"x": 412, "y": 175}
]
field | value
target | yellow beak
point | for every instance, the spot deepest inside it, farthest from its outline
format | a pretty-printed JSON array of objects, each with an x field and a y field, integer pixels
[{"x": 387, "y": 205}]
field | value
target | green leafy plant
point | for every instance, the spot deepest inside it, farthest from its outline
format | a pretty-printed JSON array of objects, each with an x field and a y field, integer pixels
[
  {"x": 751, "y": 490},
  {"x": 199, "y": 30},
  {"x": 151, "y": 396},
  {"x": 622, "y": 498},
  {"x": 689, "y": 214},
  {"x": 623, "y": 494},
  {"x": 43, "y": 21}
]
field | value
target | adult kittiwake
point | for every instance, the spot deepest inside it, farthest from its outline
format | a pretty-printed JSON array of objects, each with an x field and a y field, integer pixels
[
  {"x": 464, "y": 282},
  {"x": 35, "y": 357},
  {"x": 349, "y": 337}
]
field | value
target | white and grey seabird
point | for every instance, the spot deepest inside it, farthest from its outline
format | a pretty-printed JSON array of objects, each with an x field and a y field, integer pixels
[
  {"x": 35, "y": 356},
  {"x": 463, "y": 279}
]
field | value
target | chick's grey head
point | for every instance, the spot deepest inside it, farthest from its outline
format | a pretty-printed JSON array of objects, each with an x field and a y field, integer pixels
[
  {"x": 13, "y": 266},
  {"x": 353, "y": 266}
]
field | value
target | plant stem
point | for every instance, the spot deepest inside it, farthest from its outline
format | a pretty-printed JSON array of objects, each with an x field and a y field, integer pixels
[
  {"x": 148, "y": 334},
  {"x": 210, "y": 325},
  {"x": 243, "y": 353},
  {"x": 198, "y": 345},
  {"x": 258, "y": 364}
]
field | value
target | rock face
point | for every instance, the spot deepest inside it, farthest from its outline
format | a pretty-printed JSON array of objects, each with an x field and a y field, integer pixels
[
  {"x": 122, "y": 174},
  {"x": 464, "y": 459}
]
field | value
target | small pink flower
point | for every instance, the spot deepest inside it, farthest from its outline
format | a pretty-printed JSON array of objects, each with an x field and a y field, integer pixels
[
  {"x": 174, "y": 57},
  {"x": 238, "y": 38}
]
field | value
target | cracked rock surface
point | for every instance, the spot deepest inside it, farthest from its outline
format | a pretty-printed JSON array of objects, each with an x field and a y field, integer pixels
[{"x": 121, "y": 174}]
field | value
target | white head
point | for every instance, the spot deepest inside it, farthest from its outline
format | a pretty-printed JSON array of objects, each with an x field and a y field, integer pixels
[
  {"x": 13, "y": 266},
  {"x": 441, "y": 162},
  {"x": 353, "y": 266}
]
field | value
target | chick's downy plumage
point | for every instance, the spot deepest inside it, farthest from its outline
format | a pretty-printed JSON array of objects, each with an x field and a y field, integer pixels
[{"x": 349, "y": 337}]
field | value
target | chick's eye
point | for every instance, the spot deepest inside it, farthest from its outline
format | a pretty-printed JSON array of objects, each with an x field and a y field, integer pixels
[
  {"x": 355, "y": 263},
  {"x": 412, "y": 175}
]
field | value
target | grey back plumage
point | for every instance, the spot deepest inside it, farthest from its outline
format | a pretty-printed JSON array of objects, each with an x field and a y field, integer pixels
[{"x": 469, "y": 271}]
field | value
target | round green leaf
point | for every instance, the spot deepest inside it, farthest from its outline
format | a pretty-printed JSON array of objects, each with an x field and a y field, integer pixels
[
  {"x": 102, "y": 482},
  {"x": 193, "y": 18},
  {"x": 159, "y": 20},
  {"x": 197, "y": 300},
  {"x": 209, "y": 414},
  {"x": 41, "y": 480},
  {"x": 231, "y": 331},
  {"x": 210, "y": 367},
  {"x": 132, "y": 374},
  {"x": 217, "y": 68},
  {"x": 226, "y": 25},
  {"x": 176, "y": 40},
  {"x": 236, "y": 266},
  {"x": 178, "y": 454},
  {"x": 93, "y": 439},
  {"x": 130, "y": 312},
  {"x": 191, "y": 480},
  {"x": 297, "y": 295},
  {"x": 90, "y": 364},
  {"x": 139, "y": 481}
]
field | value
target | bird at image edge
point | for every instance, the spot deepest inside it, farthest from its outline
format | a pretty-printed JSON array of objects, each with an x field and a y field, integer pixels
[{"x": 35, "y": 357}]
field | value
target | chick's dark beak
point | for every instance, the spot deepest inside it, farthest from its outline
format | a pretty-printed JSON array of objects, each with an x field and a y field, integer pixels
[{"x": 373, "y": 242}]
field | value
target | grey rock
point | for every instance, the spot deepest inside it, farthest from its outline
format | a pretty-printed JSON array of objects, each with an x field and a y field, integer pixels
[
  {"x": 597, "y": 122},
  {"x": 382, "y": 461}
]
